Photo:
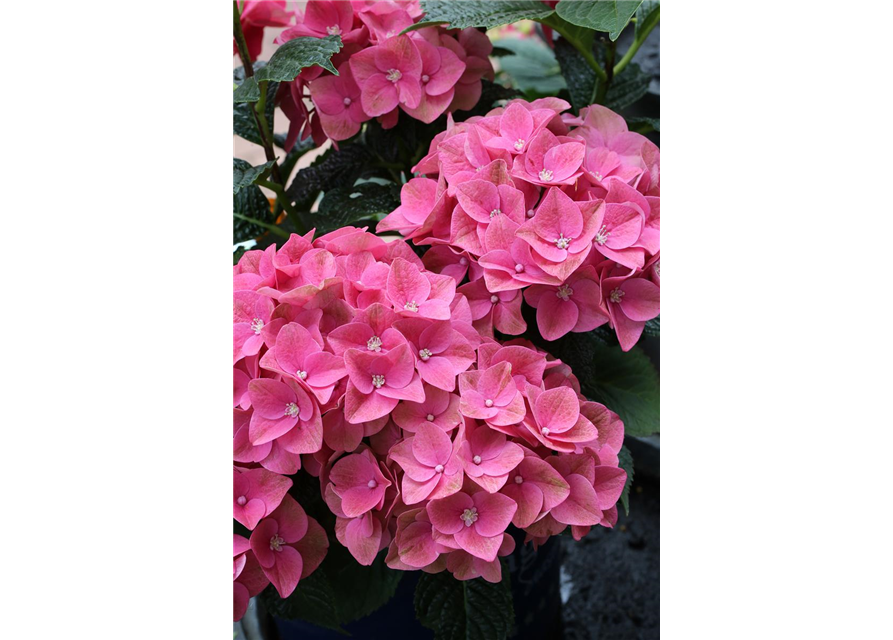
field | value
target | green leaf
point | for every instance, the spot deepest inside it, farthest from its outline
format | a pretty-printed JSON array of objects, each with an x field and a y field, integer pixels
[
  {"x": 252, "y": 203},
  {"x": 648, "y": 12},
  {"x": 244, "y": 124},
  {"x": 480, "y": 13},
  {"x": 244, "y": 177},
  {"x": 291, "y": 158},
  {"x": 640, "y": 122},
  {"x": 347, "y": 206},
  {"x": 578, "y": 75},
  {"x": 331, "y": 169},
  {"x": 297, "y": 54},
  {"x": 627, "y": 88},
  {"x": 626, "y": 463},
  {"x": 464, "y": 609},
  {"x": 625, "y": 382},
  {"x": 652, "y": 327},
  {"x": 605, "y": 15},
  {"x": 314, "y": 600},
  {"x": 359, "y": 590},
  {"x": 533, "y": 67},
  {"x": 248, "y": 91}
]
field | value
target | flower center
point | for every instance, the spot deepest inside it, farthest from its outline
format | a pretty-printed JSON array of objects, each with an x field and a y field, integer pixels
[
  {"x": 291, "y": 410},
  {"x": 494, "y": 299},
  {"x": 495, "y": 213},
  {"x": 545, "y": 431},
  {"x": 657, "y": 268},
  {"x": 530, "y": 213},
  {"x": 374, "y": 343},
  {"x": 518, "y": 479},
  {"x": 334, "y": 30},
  {"x": 519, "y": 144},
  {"x": 564, "y": 292},
  {"x": 411, "y": 306},
  {"x": 488, "y": 403},
  {"x": 430, "y": 417},
  {"x": 257, "y": 324},
  {"x": 519, "y": 268},
  {"x": 562, "y": 242},
  {"x": 476, "y": 459},
  {"x": 301, "y": 374},
  {"x": 276, "y": 542},
  {"x": 394, "y": 75},
  {"x": 426, "y": 78},
  {"x": 372, "y": 484},
  {"x": 424, "y": 354},
  {"x": 463, "y": 261},
  {"x": 438, "y": 469},
  {"x": 597, "y": 175},
  {"x": 378, "y": 381},
  {"x": 545, "y": 175},
  {"x": 602, "y": 236},
  {"x": 616, "y": 294},
  {"x": 241, "y": 501},
  {"x": 347, "y": 102},
  {"x": 469, "y": 516}
]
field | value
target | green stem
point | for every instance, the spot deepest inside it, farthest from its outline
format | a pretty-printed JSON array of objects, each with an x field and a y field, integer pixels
[
  {"x": 583, "y": 46},
  {"x": 600, "y": 89},
  {"x": 283, "y": 201},
  {"x": 648, "y": 27},
  {"x": 272, "y": 228},
  {"x": 240, "y": 41}
]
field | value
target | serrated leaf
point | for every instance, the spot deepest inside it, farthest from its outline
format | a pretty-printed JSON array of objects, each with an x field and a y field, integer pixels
[
  {"x": 251, "y": 202},
  {"x": 244, "y": 124},
  {"x": 578, "y": 75},
  {"x": 481, "y": 13},
  {"x": 464, "y": 609},
  {"x": 248, "y": 91},
  {"x": 626, "y": 463},
  {"x": 610, "y": 16},
  {"x": 314, "y": 600},
  {"x": 244, "y": 177},
  {"x": 347, "y": 206},
  {"x": 627, "y": 88},
  {"x": 533, "y": 67},
  {"x": 331, "y": 169},
  {"x": 300, "y": 53},
  {"x": 647, "y": 12}
]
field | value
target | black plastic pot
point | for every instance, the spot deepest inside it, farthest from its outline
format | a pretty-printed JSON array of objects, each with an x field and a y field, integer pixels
[{"x": 535, "y": 590}]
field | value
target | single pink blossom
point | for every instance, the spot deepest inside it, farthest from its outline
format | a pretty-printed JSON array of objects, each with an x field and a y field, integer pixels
[
  {"x": 388, "y": 75},
  {"x": 417, "y": 200},
  {"x": 475, "y": 522},
  {"x": 575, "y": 305},
  {"x": 372, "y": 330},
  {"x": 254, "y": 17},
  {"x": 441, "y": 69},
  {"x": 518, "y": 126},
  {"x": 324, "y": 18},
  {"x": 251, "y": 312},
  {"x": 297, "y": 356},
  {"x": 550, "y": 160},
  {"x": 491, "y": 395},
  {"x": 488, "y": 457},
  {"x": 440, "y": 408},
  {"x": 357, "y": 479},
  {"x": 441, "y": 352},
  {"x": 337, "y": 100},
  {"x": 429, "y": 461},
  {"x": 256, "y": 493},
  {"x": 378, "y": 381},
  {"x": 501, "y": 310},
  {"x": 536, "y": 487},
  {"x": 556, "y": 420},
  {"x": 414, "y": 292},
  {"x": 281, "y": 408},
  {"x": 631, "y": 302}
]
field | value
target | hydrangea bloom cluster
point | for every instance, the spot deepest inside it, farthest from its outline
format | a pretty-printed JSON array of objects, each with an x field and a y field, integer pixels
[
  {"x": 356, "y": 363},
  {"x": 562, "y": 210},
  {"x": 423, "y": 73}
]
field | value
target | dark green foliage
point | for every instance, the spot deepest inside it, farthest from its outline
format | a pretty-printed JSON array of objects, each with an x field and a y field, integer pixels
[{"x": 464, "y": 609}]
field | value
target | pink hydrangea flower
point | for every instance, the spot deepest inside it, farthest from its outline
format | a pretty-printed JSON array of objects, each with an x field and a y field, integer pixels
[
  {"x": 550, "y": 160},
  {"x": 475, "y": 522},
  {"x": 256, "y": 493},
  {"x": 251, "y": 312},
  {"x": 441, "y": 69},
  {"x": 429, "y": 461},
  {"x": 556, "y": 420},
  {"x": 488, "y": 457},
  {"x": 278, "y": 409},
  {"x": 440, "y": 409},
  {"x": 337, "y": 100},
  {"x": 388, "y": 75},
  {"x": 500, "y": 310},
  {"x": 491, "y": 395},
  {"x": 441, "y": 352},
  {"x": 324, "y": 18},
  {"x": 378, "y": 381},
  {"x": 299, "y": 357},
  {"x": 631, "y": 302},
  {"x": 357, "y": 479},
  {"x": 536, "y": 487},
  {"x": 575, "y": 305},
  {"x": 414, "y": 293},
  {"x": 288, "y": 545}
]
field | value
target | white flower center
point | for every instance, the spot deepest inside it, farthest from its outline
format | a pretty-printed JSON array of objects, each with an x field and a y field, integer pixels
[
  {"x": 519, "y": 268},
  {"x": 562, "y": 242},
  {"x": 276, "y": 542},
  {"x": 530, "y": 213},
  {"x": 241, "y": 501},
  {"x": 438, "y": 469},
  {"x": 424, "y": 354},
  {"x": 426, "y": 78},
  {"x": 657, "y": 268},
  {"x": 616, "y": 294},
  {"x": 495, "y": 212},
  {"x": 518, "y": 479},
  {"x": 347, "y": 102},
  {"x": 394, "y": 75},
  {"x": 291, "y": 410},
  {"x": 545, "y": 431},
  {"x": 488, "y": 403},
  {"x": 597, "y": 175},
  {"x": 301, "y": 374},
  {"x": 334, "y": 30},
  {"x": 476, "y": 459},
  {"x": 469, "y": 516},
  {"x": 430, "y": 417},
  {"x": 519, "y": 144},
  {"x": 494, "y": 299},
  {"x": 374, "y": 343},
  {"x": 463, "y": 261},
  {"x": 545, "y": 175},
  {"x": 372, "y": 484},
  {"x": 602, "y": 236},
  {"x": 564, "y": 292},
  {"x": 257, "y": 324},
  {"x": 411, "y": 306},
  {"x": 378, "y": 381}
]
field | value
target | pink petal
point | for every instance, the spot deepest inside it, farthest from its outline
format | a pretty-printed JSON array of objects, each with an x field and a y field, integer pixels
[
  {"x": 431, "y": 446},
  {"x": 286, "y": 572},
  {"x": 445, "y": 512},
  {"x": 379, "y": 96},
  {"x": 580, "y": 507},
  {"x": 476, "y": 544},
  {"x": 608, "y": 485},
  {"x": 641, "y": 301},
  {"x": 495, "y": 512}
]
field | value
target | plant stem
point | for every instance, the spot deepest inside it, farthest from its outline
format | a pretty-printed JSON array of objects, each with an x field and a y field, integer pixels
[
  {"x": 640, "y": 38},
  {"x": 282, "y": 200},
  {"x": 600, "y": 90},
  {"x": 584, "y": 45},
  {"x": 272, "y": 228},
  {"x": 240, "y": 41}
]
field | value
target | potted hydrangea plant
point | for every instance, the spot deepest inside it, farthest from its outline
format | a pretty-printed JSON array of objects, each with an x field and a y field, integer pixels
[{"x": 435, "y": 322}]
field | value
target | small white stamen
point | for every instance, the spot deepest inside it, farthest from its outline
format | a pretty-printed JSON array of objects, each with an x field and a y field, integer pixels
[
  {"x": 241, "y": 500},
  {"x": 257, "y": 324},
  {"x": 518, "y": 479},
  {"x": 545, "y": 175},
  {"x": 597, "y": 175},
  {"x": 494, "y": 299},
  {"x": 545, "y": 431},
  {"x": 469, "y": 516},
  {"x": 334, "y": 30},
  {"x": 602, "y": 236},
  {"x": 476, "y": 459},
  {"x": 530, "y": 213},
  {"x": 564, "y": 292},
  {"x": 616, "y": 294},
  {"x": 438, "y": 469},
  {"x": 374, "y": 343},
  {"x": 411, "y": 306},
  {"x": 495, "y": 212},
  {"x": 372, "y": 484},
  {"x": 430, "y": 417},
  {"x": 426, "y": 78},
  {"x": 378, "y": 381},
  {"x": 347, "y": 102},
  {"x": 488, "y": 403},
  {"x": 301, "y": 374},
  {"x": 657, "y": 268},
  {"x": 394, "y": 75},
  {"x": 424, "y": 354},
  {"x": 463, "y": 261},
  {"x": 519, "y": 144},
  {"x": 276, "y": 542},
  {"x": 519, "y": 268},
  {"x": 562, "y": 242},
  {"x": 291, "y": 410}
]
